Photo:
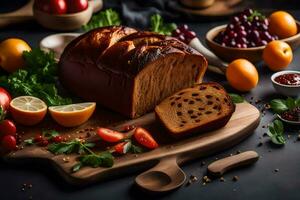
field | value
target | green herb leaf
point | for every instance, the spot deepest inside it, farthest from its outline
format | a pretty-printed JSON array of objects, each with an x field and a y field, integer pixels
[
  {"x": 297, "y": 102},
  {"x": 158, "y": 25},
  {"x": 236, "y": 98},
  {"x": 136, "y": 149},
  {"x": 49, "y": 134},
  {"x": 29, "y": 141},
  {"x": 256, "y": 14},
  {"x": 279, "y": 105},
  {"x": 64, "y": 148},
  {"x": 77, "y": 167},
  {"x": 74, "y": 146},
  {"x": 107, "y": 17},
  {"x": 276, "y": 131},
  {"x": 290, "y": 103}
]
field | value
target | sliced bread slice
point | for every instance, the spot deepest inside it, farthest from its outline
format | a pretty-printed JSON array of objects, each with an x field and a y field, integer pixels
[{"x": 204, "y": 107}]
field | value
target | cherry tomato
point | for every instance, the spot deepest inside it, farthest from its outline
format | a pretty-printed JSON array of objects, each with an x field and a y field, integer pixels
[
  {"x": 9, "y": 142},
  {"x": 144, "y": 138},
  {"x": 5, "y": 99},
  {"x": 57, "y": 139},
  {"x": 122, "y": 148},
  {"x": 38, "y": 138},
  {"x": 57, "y": 7},
  {"x": 109, "y": 135},
  {"x": 7, "y": 127},
  {"x": 76, "y": 5}
]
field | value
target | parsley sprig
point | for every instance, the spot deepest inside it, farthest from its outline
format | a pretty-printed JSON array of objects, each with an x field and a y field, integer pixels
[
  {"x": 73, "y": 146},
  {"x": 107, "y": 17},
  {"x": 38, "y": 78},
  {"x": 158, "y": 25},
  {"x": 87, "y": 158}
]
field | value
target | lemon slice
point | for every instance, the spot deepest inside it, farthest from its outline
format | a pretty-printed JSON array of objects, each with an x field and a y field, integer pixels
[
  {"x": 73, "y": 114},
  {"x": 28, "y": 110}
]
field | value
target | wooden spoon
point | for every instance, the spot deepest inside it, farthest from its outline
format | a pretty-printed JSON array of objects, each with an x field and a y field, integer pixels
[{"x": 164, "y": 177}]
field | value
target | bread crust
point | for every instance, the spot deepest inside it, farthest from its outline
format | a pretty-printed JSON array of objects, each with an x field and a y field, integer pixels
[{"x": 101, "y": 65}]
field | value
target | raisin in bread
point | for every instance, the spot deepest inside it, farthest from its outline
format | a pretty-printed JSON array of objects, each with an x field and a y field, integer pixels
[
  {"x": 128, "y": 71},
  {"x": 203, "y": 107}
]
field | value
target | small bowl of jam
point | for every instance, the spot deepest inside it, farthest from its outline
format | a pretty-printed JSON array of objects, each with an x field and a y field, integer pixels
[{"x": 287, "y": 82}]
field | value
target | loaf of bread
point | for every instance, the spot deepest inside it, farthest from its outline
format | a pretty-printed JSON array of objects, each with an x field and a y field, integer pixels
[
  {"x": 203, "y": 107},
  {"x": 128, "y": 71}
]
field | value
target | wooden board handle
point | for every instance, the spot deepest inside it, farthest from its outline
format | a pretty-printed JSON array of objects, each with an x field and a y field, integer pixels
[
  {"x": 164, "y": 177},
  {"x": 218, "y": 168}
]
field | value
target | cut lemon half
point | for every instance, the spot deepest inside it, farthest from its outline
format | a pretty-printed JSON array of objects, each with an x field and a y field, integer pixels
[
  {"x": 28, "y": 110},
  {"x": 73, "y": 114}
]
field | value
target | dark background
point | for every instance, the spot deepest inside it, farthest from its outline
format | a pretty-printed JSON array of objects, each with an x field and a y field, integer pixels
[{"x": 259, "y": 181}]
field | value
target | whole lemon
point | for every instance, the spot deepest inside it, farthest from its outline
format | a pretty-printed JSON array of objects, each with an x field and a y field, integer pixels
[
  {"x": 11, "y": 51},
  {"x": 242, "y": 75}
]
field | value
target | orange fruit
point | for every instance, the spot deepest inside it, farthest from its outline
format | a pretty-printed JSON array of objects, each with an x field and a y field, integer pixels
[
  {"x": 277, "y": 55},
  {"x": 11, "y": 54},
  {"x": 282, "y": 24},
  {"x": 242, "y": 75},
  {"x": 73, "y": 114},
  {"x": 28, "y": 110}
]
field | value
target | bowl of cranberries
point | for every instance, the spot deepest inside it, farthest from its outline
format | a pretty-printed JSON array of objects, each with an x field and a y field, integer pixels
[
  {"x": 245, "y": 36},
  {"x": 63, "y": 15}
]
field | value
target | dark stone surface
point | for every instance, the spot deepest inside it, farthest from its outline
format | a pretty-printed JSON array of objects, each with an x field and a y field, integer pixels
[{"x": 259, "y": 181}]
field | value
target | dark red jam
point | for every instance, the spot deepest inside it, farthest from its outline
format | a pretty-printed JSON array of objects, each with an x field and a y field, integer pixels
[
  {"x": 288, "y": 79},
  {"x": 292, "y": 115}
]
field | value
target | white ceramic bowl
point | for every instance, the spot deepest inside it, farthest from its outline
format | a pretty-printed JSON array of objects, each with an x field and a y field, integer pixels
[
  {"x": 57, "y": 42},
  {"x": 287, "y": 90}
]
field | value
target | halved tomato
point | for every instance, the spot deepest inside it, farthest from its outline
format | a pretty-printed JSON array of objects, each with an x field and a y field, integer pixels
[
  {"x": 143, "y": 137},
  {"x": 109, "y": 135}
]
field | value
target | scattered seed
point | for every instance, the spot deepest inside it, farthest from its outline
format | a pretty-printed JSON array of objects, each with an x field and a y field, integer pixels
[
  {"x": 193, "y": 178},
  {"x": 238, "y": 152},
  {"x": 276, "y": 170},
  {"x": 222, "y": 179},
  {"x": 235, "y": 178},
  {"x": 203, "y": 163}
]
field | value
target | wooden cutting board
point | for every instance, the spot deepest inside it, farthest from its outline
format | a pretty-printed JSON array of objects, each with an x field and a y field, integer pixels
[{"x": 167, "y": 157}]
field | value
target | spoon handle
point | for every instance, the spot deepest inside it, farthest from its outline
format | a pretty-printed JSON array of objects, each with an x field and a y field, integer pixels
[
  {"x": 218, "y": 168},
  {"x": 215, "y": 63},
  {"x": 163, "y": 177}
]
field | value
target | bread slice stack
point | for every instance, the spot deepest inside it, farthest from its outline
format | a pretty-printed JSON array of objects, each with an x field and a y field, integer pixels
[{"x": 203, "y": 107}]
